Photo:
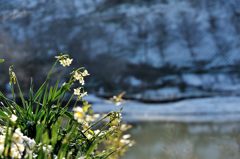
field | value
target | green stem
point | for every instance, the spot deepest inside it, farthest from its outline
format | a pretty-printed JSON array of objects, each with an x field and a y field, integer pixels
[
  {"x": 51, "y": 70},
  {"x": 100, "y": 120}
]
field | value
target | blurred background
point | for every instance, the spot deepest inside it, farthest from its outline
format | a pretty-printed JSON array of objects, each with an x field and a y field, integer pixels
[{"x": 177, "y": 60}]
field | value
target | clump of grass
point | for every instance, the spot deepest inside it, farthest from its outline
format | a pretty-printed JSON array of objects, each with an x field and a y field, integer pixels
[{"x": 43, "y": 125}]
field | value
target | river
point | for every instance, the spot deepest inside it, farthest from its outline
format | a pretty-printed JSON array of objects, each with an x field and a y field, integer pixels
[{"x": 156, "y": 140}]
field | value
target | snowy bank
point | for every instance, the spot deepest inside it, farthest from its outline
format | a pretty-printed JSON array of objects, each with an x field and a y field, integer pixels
[{"x": 213, "y": 110}]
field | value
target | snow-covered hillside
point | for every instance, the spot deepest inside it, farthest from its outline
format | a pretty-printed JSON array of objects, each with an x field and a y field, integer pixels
[{"x": 187, "y": 47}]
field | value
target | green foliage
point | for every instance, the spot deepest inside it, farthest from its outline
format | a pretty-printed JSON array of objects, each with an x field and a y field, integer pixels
[
  {"x": 2, "y": 60},
  {"x": 43, "y": 125}
]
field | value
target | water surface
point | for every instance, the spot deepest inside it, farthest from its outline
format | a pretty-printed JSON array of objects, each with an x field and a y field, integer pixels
[{"x": 185, "y": 141}]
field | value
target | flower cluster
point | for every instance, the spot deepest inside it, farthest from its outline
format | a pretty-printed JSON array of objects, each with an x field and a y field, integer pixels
[
  {"x": 64, "y": 60},
  {"x": 115, "y": 118},
  {"x": 19, "y": 144},
  {"x": 79, "y": 75},
  {"x": 125, "y": 140},
  {"x": 120, "y": 140},
  {"x": 79, "y": 92}
]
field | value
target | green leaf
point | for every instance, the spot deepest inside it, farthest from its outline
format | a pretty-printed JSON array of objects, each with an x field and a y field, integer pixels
[
  {"x": 86, "y": 106},
  {"x": 2, "y": 60},
  {"x": 40, "y": 131},
  {"x": 55, "y": 131},
  {"x": 68, "y": 114},
  {"x": 2, "y": 114}
]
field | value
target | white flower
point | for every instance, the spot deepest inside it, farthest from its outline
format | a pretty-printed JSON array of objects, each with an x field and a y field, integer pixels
[
  {"x": 91, "y": 118},
  {"x": 18, "y": 136},
  {"x": 85, "y": 73},
  {"x": 79, "y": 76},
  {"x": 89, "y": 136},
  {"x": 127, "y": 136},
  {"x": 47, "y": 148},
  {"x": 125, "y": 140},
  {"x": 81, "y": 81},
  {"x": 1, "y": 148},
  {"x": 15, "y": 152},
  {"x": 30, "y": 142},
  {"x": 13, "y": 118},
  {"x": 77, "y": 91},
  {"x": 113, "y": 128},
  {"x": 78, "y": 114},
  {"x": 115, "y": 118},
  {"x": 19, "y": 145},
  {"x": 124, "y": 127},
  {"x": 35, "y": 155},
  {"x": 83, "y": 94},
  {"x": 2, "y": 141},
  {"x": 96, "y": 116},
  {"x": 64, "y": 60},
  {"x": 97, "y": 131}
]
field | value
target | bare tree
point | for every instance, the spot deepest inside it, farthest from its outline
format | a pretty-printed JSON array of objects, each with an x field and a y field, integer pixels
[
  {"x": 190, "y": 33},
  {"x": 143, "y": 34},
  {"x": 162, "y": 35},
  {"x": 222, "y": 45}
]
